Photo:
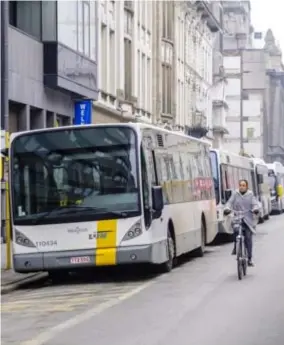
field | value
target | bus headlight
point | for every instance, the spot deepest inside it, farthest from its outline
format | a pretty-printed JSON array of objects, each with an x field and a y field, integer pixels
[
  {"x": 133, "y": 232},
  {"x": 22, "y": 240}
]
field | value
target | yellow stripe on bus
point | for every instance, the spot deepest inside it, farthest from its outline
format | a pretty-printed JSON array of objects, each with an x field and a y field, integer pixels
[{"x": 106, "y": 244}]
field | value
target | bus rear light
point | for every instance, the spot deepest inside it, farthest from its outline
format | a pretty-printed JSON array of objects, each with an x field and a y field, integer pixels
[{"x": 22, "y": 240}]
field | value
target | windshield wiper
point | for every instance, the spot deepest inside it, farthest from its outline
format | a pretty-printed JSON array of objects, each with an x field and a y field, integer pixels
[
  {"x": 75, "y": 209},
  {"x": 59, "y": 208}
]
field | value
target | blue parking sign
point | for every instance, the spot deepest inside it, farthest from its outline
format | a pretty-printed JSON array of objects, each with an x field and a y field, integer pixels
[{"x": 83, "y": 112}]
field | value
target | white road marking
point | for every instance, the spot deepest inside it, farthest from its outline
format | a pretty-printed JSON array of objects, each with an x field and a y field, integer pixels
[{"x": 47, "y": 335}]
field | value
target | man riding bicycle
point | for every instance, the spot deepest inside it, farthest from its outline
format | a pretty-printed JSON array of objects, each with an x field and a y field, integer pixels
[{"x": 244, "y": 200}]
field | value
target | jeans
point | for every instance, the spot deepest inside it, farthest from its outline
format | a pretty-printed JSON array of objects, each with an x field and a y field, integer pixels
[{"x": 248, "y": 240}]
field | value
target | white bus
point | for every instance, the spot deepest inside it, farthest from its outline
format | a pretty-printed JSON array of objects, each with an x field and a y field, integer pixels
[
  {"x": 228, "y": 169},
  {"x": 276, "y": 179},
  {"x": 262, "y": 187},
  {"x": 102, "y": 195}
]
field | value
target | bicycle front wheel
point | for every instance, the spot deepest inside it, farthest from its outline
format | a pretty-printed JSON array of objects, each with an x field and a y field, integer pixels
[{"x": 239, "y": 260}]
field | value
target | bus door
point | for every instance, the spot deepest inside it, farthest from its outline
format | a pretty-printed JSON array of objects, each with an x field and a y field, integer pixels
[{"x": 255, "y": 184}]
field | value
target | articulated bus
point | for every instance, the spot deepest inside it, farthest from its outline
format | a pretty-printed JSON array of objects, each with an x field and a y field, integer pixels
[
  {"x": 276, "y": 181},
  {"x": 101, "y": 195},
  {"x": 228, "y": 169},
  {"x": 262, "y": 187}
]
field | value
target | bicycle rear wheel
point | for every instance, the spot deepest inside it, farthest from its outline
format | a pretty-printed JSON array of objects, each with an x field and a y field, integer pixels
[{"x": 239, "y": 260}]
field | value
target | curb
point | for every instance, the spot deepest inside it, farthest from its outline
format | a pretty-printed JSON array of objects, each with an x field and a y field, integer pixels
[{"x": 22, "y": 282}]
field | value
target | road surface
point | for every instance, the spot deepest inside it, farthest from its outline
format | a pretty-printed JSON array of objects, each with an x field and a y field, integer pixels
[{"x": 200, "y": 303}]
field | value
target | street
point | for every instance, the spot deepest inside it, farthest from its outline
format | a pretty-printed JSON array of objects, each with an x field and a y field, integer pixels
[{"x": 201, "y": 302}]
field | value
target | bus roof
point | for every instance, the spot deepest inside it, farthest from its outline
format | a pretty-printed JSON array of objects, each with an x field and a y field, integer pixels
[
  {"x": 233, "y": 159},
  {"x": 277, "y": 167},
  {"x": 134, "y": 125},
  {"x": 258, "y": 161}
]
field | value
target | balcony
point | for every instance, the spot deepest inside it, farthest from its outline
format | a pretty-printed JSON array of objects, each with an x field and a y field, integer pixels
[
  {"x": 198, "y": 127},
  {"x": 237, "y": 7},
  {"x": 219, "y": 118},
  {"x": 206, "y": 8}
]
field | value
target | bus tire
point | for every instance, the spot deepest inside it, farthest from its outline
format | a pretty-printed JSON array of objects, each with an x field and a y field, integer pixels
[
  {"x": 260, "y": 220},
  {"x": 167, "y": 266},
  {"x": 200, "y": 251}
]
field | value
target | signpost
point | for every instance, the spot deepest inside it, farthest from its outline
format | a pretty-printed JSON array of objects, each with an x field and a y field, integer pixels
[{"x": 83, "y": 112}]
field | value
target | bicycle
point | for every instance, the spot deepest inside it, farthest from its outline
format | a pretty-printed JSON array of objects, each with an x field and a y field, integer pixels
[{"x": 241, "y": 250}]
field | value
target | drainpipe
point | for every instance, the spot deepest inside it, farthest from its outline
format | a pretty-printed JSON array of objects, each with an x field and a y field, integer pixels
[
  {"x": 5, "y": 221},
  {"x": 4, "y": 65}
]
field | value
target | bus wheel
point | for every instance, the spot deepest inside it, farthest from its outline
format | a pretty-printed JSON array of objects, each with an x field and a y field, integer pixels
[
  {"x": 261, "y": 220},
  {"x": 168, "y": 265},
  {"x": 200, "y": 251},
  {"x": 266, "y": 217}
]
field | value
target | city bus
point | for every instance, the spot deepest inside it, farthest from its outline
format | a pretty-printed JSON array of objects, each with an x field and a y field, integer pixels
[
  {"x": 227, "y": 169},
  {"x": 276, "y": 181},
  {"x": 108, "y": 194},
  {"x": 262, "y": 187}
]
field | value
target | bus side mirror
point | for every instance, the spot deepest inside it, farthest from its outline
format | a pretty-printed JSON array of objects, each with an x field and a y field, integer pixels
[
  {"x": 228, "y": 194},
  {"x": 5, "y": 152},
  {"x": 157, "y": 198}
]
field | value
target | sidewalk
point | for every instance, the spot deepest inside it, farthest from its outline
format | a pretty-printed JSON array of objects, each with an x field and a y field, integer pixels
[{"x": 11, "y": 280}]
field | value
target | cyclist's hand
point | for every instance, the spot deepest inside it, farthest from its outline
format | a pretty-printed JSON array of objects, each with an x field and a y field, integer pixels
[{"x": 227, "y": 212}]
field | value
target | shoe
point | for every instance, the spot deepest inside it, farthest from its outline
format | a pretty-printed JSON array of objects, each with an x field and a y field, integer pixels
[
  {"x": 234, "y": 252},
  {"x": 250, "y": 263}
]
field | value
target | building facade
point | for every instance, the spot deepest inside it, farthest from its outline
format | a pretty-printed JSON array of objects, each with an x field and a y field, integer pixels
[
  {"x": 125, "y": 76},
  {"x": 245, "y": 98},
  {"x": 155, "y": 61},
  {"x": 273, "y": 148},
  {"x": 196, "y": 25},
  {"x": 237, "y": 39},
  {"x": 219, "y": 104},
  {"x": 52, "y": 61},
  {"x": 48, "y": 63},
  {"x": 254, "y": 90}
]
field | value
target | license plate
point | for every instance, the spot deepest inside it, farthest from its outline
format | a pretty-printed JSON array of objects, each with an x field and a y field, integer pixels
[{"x": 80, "y": 260}]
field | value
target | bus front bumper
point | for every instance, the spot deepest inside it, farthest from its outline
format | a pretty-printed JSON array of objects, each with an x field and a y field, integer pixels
[{"x": 155, "y": 253}]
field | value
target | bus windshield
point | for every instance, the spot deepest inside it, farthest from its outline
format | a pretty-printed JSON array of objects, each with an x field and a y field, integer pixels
[
  {"x": 214, "y": 165},
  {"x": 75, "y": 174}
]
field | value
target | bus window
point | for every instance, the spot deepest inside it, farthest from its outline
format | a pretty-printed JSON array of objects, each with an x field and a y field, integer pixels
[
  {"x": 145, "y": 190},
  {"x": 215, "y": 174}
]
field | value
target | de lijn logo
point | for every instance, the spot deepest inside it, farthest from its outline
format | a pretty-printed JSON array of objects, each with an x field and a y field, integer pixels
[{"x": 77, "y": 230}]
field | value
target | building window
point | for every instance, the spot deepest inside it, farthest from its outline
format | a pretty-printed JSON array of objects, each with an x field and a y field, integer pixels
[
  {"x": 250, "y": 133},
  {"x": 86, "y": 28},
  {"x": 77, "y": 26},
  {"x": 128, "y": 4},
  {"x": 26, "y": 16},
  {"x": 168, "y": 20},
  {"x": 127, "y": 69},
  {"x": 112, "y": 64},
  {"x": 128, "y": 22},
  {"x": 104, "y": 57},
  {"x": 128, "y": 29},
  {"x": 112, "y": 10},
  {"x": 167, "y": 89}
]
